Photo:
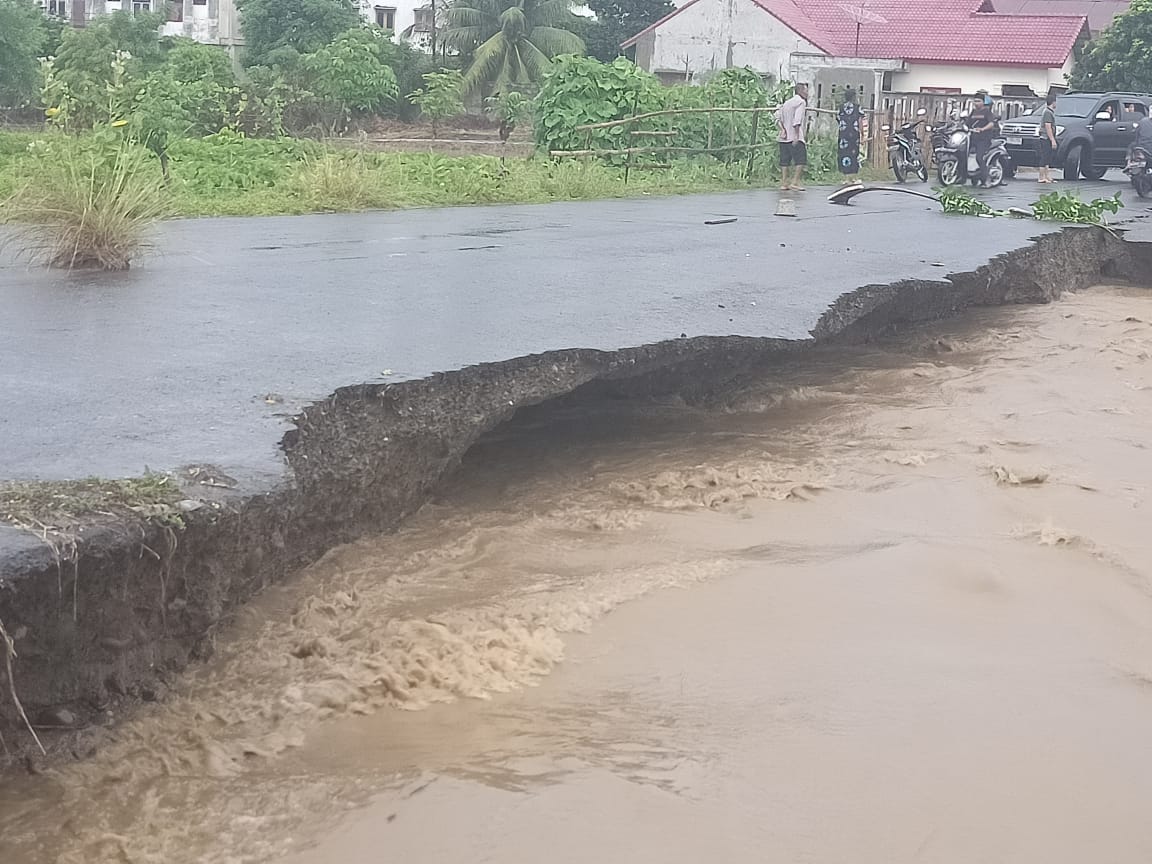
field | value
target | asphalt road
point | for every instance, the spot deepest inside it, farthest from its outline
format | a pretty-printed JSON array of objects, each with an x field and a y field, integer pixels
[{"x": 170, "y": 363}]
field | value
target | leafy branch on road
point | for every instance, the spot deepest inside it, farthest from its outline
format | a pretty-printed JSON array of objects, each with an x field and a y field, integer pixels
[
  {"x": 1066, "y": 207},
  {"x": 1053, "y": 207}
]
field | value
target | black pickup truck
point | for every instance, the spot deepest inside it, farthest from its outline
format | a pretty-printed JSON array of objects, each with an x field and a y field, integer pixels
[{"x": 1093, "y": 132}]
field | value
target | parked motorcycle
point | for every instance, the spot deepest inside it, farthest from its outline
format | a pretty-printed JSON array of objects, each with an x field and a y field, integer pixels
[
  {"x": 1139, "y": 168},
  {"x": 905, "y": 154},
  {"x": 956, "y": 161}
]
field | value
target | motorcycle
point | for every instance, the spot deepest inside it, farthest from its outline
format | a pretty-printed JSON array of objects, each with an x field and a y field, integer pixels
[
  {"x": 1140, "y": 171},
  {"x": 904, "y": 151},
  {"x": 956, "y": 161}
]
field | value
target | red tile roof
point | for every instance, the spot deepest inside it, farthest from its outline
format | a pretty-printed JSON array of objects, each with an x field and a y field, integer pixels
[
  {"x": 924, "y": 31},
  {"x": 1099, "y": 12}
]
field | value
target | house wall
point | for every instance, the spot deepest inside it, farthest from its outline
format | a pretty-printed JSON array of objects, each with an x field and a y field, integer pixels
[
  {"x": 405, "y": 17},
  {"x": 216, "y": 22},
  {"x": 718, "y": 34},
  {"x": 970, "y": 78},
  {"x": 213, "y": 22}
]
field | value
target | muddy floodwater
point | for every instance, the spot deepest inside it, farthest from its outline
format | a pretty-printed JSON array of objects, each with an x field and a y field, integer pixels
[{"x": 881, "y": 604}]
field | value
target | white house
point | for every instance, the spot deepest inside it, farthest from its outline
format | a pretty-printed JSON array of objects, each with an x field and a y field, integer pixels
[
  {"x": 411, "y": 20},
  {"x": 217, "y": 22},
  {"x": 936, "y": 46}
]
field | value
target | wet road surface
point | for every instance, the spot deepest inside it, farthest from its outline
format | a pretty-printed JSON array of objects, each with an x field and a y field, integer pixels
[{"x": 204, "y": 350}]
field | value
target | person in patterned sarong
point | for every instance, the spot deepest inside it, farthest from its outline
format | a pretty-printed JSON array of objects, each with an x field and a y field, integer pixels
[{"x": 848, "y": 144}]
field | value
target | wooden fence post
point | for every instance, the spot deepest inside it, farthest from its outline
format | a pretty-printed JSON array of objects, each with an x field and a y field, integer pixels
[
  {"x": 752, "y": 152},
  {"x": 628, "y": 136}
]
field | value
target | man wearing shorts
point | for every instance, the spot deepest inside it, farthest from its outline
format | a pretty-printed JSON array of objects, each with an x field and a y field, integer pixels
[
  {"x": 793, "y": 146},
  {"x": 1048, "y": 145}
]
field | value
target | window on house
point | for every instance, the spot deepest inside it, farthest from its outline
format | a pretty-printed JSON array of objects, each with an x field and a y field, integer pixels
[
  {"x": 141, "y": 6},
  {"x": 57, "y": 8},
  {"x": 386, "y": 17},
  {"x": 423, "y": 19},
  {"x": 176, "y": 10},
  {"x": 1016, "y": 90},
  {"x": 199, "y": 2}
]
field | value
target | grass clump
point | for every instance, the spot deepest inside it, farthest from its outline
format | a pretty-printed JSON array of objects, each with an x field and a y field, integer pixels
[
  {"x": 57, "y": 505},
  {"x": 86, "y": 202}
]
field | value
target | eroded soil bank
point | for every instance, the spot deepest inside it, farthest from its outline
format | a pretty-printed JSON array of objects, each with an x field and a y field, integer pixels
[
  {"x": 137, "y": 603},
  {"x": 912, "y": 624}
]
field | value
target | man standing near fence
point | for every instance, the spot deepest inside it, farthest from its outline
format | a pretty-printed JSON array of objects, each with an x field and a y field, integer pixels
[{"x": 793, "y": 147}]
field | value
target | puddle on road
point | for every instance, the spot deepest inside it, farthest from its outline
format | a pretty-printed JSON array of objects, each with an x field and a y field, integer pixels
[{"x": 915, "y": 625}]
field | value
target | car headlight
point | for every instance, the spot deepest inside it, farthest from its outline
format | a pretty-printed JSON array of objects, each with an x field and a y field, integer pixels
[
  {"x": 957, "y": 139},
  {"x": 1059, "y": 131}
]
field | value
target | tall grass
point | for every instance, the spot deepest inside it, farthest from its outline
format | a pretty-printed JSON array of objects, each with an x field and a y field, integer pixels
[
  {"x": 86, "y": 203},
  {"x": 230, "y": 175}
]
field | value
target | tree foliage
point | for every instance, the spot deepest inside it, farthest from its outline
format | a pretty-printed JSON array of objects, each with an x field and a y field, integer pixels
[
  {"x": 510, "y": 109},
  {"x": 511, "y": 42},
  {"x": 92, "y": 76},
  {"x": 302, "y": 26},
  {"x": 23, "y": 35},
  {"x": 352, "y": 72},
  {"x": 191, "y": 93},
  {"x": 619, "y": 20},
  {"x": 439, "y": 98},
  {"x": 581, "y": 90},
  {"x": 1119, "y": 58}
]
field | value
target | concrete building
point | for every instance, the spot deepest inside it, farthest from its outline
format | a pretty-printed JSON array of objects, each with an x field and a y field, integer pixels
[
  {"x": 906, "y": 46},
  {"x": 217, "y": 22},
  {"x": 213, "y": 22},
  {"x": 411, "y": 20}
]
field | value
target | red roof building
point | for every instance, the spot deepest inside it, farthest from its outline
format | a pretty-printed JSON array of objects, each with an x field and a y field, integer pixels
[
  {"x": 956, "y": 46},
  {"x": 1098, "y": 12}
]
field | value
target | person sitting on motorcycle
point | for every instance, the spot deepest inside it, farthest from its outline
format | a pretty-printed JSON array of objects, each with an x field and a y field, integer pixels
[
  {"x": 1144, "y": 135},
  {"x": 982, "y": 125}
]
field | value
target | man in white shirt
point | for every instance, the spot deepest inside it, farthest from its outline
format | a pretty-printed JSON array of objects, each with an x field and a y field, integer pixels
[{"x": 793, "y": 146}]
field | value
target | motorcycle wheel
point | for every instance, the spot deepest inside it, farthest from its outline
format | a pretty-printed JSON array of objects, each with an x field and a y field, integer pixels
[
  {"x": 899, "y": 169},
  {"x": 922, "y": 173},
  {"x": 995, "y": 172},
  {"x": 1143, "y": 184},
  {"x": 948, "y": 172}
]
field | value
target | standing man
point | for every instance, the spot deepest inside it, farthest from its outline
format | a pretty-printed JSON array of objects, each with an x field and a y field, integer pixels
[
  {"x": 793, "y": 146},
  {"x": 1048, "y": 146},
  {"x": 982, "y": 124}
]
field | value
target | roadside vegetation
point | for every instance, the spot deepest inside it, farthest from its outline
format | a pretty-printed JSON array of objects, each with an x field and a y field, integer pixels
[{"x": 138, "y": 127}]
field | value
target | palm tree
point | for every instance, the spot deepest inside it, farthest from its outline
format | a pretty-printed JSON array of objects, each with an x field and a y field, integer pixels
[{"x": 512, "y": 42}]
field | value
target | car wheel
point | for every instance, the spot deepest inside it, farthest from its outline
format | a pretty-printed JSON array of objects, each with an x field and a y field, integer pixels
[
  {"x": 1089, "y": 172},
  {"x": 1072, "y": 162}
]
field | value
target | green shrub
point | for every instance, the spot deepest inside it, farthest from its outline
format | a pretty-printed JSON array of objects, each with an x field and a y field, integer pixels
[
  {"x": 580, "y": 91},
  {"x": 440, "y": 97},
  {"x": 228, "y": 161}
]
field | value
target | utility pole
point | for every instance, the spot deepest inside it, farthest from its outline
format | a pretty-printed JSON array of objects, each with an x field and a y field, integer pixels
[{"x": 433, "y": 32}]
